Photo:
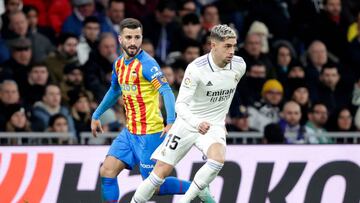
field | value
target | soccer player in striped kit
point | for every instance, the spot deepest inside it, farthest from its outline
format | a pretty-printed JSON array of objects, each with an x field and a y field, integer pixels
[{"x": 137, "y": 78}]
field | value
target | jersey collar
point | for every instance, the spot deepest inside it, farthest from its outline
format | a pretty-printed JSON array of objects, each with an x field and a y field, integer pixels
[{"x": 214, "y": 67}]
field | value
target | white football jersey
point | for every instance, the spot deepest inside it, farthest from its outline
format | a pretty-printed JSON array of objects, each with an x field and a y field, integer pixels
[{"x": 206, "y": 91}]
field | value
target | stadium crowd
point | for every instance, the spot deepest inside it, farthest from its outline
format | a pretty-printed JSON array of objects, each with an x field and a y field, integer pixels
[{"x": 302, "y": 56}]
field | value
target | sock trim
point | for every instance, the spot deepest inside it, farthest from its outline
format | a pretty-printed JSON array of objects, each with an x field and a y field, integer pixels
[
  {"x": 155, "y": 180},
  {"x": 197, "y": 185},
  {"x": 217, "y": 166}
]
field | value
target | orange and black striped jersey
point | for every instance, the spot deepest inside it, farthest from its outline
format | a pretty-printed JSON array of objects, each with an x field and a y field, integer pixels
[{"x": 140, "y": 79}]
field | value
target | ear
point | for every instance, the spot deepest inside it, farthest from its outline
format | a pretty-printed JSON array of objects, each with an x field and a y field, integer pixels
[
  {"x": 119, "y": 39},
  {"x": 213, "y": 44}
]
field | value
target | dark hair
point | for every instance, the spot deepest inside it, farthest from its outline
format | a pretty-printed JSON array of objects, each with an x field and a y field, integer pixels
[
  {"x": 190, "y": 18},
  {"x": 53, "y": 118},
  {"x": 65, "y": 36},
  {"x": 115, "y": 1},
  {"x": 38, "y": 64},
  {"x": 206, "y": 7},
  {"x": 130, "y": 23},
  {"x": 274, "y": 134},
  {"x": 91, "y": 19},
  {"x": 190, "y": 43},
  {"x": 312, "y": 108},
  {"x": 166, "y": 4},
  {"x": 329, "y": 65},
  {"x": 26, "y": 9}
]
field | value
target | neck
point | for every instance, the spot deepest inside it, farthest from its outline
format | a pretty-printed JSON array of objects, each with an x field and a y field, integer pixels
[
  {"x": 127, "y": 57},
  {"x": 218, "y": 62}
]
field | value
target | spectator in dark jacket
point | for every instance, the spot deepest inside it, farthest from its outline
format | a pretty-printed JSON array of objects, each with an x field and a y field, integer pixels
[{"x": 99, "y": 66}]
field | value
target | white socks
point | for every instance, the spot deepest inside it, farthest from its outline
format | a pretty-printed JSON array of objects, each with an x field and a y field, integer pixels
[
  {"x": 202, "y": 179},
  {"x": 147, "y": 188}
]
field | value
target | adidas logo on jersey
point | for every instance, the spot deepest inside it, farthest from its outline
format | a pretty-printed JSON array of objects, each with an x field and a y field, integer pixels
[{"x": 209, "y": 84}]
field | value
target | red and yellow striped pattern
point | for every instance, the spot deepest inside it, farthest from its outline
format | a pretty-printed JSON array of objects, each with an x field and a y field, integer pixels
[{"x": 141, "y": 99}]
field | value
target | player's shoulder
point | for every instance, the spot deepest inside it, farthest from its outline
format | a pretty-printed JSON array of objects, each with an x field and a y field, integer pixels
[
  {"x": 199, "y": 63},
  {"x": 239, "y": 63},
  {"x": 146, "y": 59}
]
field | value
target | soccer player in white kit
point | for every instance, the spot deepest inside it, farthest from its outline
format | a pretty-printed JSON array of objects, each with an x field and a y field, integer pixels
[{"x": 202, "y": 104}]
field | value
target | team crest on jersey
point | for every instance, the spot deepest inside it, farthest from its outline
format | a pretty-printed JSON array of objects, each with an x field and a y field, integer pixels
[
  {"x": 187, "y": 82},
  {"x": 133, "y": 75},
  {"x": 237, "y": 77},
  {"x": 163, "y": 79}
]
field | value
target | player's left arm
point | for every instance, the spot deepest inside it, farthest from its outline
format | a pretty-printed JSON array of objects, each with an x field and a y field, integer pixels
[{"x": 152, "y": 72}]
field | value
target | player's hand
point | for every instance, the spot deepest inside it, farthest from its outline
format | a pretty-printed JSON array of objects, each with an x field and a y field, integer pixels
[
  {"x": 96, "y": 127},
  {"x": 166, "y": 129},
  {"x": 204, "y": 127}
]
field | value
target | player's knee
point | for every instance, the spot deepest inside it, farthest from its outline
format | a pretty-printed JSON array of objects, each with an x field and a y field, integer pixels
[
  {"x": 162, "y": 170},
  {"x": 108, "y": 171},
  {"x": 111, "y": 167},
  {"x": 217, "y": 152}
]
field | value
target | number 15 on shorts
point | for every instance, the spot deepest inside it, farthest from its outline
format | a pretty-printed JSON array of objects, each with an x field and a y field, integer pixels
[{"x": 173, "y": 141}]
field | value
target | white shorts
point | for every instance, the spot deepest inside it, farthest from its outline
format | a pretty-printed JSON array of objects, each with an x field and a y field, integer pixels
[{"x": 180, "y": 139}]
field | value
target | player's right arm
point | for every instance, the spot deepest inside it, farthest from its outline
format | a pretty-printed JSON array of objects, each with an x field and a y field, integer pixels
[
  {"x": 186, "y": 93},
  {"x": 108, "y": 101}
]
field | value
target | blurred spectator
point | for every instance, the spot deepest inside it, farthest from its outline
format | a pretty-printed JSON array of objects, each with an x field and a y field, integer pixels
[
  {"x": 48, "y": 106},
  {"x": 19, "y": 64},
  {"x": 80, "y": 110},
  {"x": 331, "y": 91},
  {"x": 268, "y": 109},
  {"x": 190, "y": 30},
  {"x": 140, "y": 9},
  {"x": 248, "y": 90},
  {"x": 331, "y": 27},
  {"x": 115, "y": 14},
  {"x": 52, "y": 13},
  {"x": 20, "y": 28},
  {"x": 317, "y": 57},
  {"x": 73, "y": 81},
  {"x": 239, "y": 120},
  {"x": 4, "y": 50},
  {"x": 206, "y": 43},
  {"x": 209, "y": 16},
  {"x": 82, "y": 9},
  {"x": 99, "y": 66},
  {"x": 162, "y": 29},
  {"x": 16, "y": 119},
  {"x": 260, "y": 29},
  {"x": 32, "y": 16},
  {"x": 88, "y": 39},
  {"x": 186, "y": 7},
  {"x": 356, "y": 102},
  {"x": 191, "y": 27},
  {"x": 273, "y": 134},
  {"x": 38, "y": 78},
  {"x": 251, "y": 52},
  {"x": 284, "y": 55},
  {"x": 170, "y": 76},
  {"x": 353, "y": 30},
  {"x": 354, "y": 51},
  {"x": 179, "y": 71},
  {"x": 16, "y": 122},
  {"x": 65, "y": 53},
  {"x": 341, "y": 120},
  {"x": 148, "y": 47},
  {"x": 11, "y": 6},
  {"x": 300, "y": 94},
  {"x": 58, "y": 123},
  {"x": 290, "y": 123},
  {"x": 9, "y": 95},
  {"x": 275, "y": 14},
  {"x": 318, "y": 116},
  {"x": 190, "y": 50}
]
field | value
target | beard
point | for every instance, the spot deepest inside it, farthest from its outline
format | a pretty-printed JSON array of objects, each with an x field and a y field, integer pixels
[{"x": 131, "y": 53}]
